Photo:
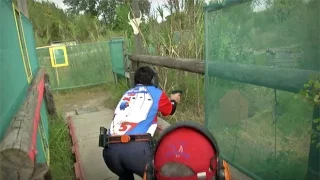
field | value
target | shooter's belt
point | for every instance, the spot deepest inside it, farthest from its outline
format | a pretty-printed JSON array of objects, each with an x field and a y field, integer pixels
[{"x": 129, "y": 138}]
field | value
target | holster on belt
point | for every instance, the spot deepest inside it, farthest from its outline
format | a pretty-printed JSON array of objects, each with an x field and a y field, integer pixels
[{"x": 103, "y": 137}]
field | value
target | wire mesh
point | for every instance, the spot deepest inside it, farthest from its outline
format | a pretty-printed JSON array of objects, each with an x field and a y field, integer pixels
[
  {"x": 89, "y": 64},
  {"x": 262, "y": 131}
]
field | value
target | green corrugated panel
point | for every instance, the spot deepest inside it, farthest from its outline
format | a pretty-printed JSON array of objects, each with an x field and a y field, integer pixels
[
  {"x": 116, "y": 53},
  {"x": 30, "y": 41},
  {"x": 13, "y": 76},
  {"x": 262, "y": 131}
]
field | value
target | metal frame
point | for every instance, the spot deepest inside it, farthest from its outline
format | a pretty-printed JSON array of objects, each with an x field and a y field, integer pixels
[
  {"x": 26, "y": 62},
  {"x": 53, "y": 59}
]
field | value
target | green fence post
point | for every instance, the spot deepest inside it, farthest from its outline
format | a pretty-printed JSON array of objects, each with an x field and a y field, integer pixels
[
  {"x": 314, "y": 151},
  {"x": 117, "y": 58}
]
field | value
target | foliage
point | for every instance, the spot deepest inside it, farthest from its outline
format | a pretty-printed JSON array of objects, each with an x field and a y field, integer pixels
[
  {"x": 105, "y": 9},
  {"x": 53, "y": 24},
  {"x": 60, "y": 152},
  {"x": 311, "y": 94}
]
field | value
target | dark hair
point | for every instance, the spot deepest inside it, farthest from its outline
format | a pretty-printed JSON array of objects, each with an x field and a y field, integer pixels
[{"x": 144, "y": 76}]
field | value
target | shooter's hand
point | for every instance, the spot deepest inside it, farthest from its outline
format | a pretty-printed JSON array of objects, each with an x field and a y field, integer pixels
[{"x": 175, "y": 97}]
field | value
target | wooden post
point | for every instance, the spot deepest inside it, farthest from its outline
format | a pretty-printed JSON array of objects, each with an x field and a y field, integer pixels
[
  {"x": 313, "y": 171},
  {"x": 138, "y": 48},
  {"x": 23, "y": 7},
  {"x": 18, "y": 147}
]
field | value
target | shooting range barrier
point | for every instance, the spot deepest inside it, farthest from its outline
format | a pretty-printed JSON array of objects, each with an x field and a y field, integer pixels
[
  {"x": 118, "y": 60},
  {"x": 24, "y": 148},
  {"x": 255, "y": 64},
  {"x": 74, "y": 66},
  {"x": 82, "y": 65},
  {"x": 267, "y": 51}
]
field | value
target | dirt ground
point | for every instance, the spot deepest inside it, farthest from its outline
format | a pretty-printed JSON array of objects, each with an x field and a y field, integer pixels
[{"x": 74, "y": 99}]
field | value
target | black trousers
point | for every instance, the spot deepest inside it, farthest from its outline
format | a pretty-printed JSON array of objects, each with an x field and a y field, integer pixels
[{"x": 127, "y": 159}]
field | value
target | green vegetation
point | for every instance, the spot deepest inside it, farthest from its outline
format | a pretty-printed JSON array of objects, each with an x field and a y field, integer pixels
[
  {"x": 61, "y": 157},
  {"x": 311, "y": 94},
  {"x": 269, "y": 134}
]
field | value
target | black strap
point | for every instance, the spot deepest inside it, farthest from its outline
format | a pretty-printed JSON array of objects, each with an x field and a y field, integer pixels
[
  {"x": 174, "y": 106},
  {"x": 117, "y": 139}
]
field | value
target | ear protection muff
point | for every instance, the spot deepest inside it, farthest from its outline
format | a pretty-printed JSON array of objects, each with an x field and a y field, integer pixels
[
  {"x": 220, "y": 170},
  {"x": 155, "y": 78},
  {"x": 223, "y": 172}
]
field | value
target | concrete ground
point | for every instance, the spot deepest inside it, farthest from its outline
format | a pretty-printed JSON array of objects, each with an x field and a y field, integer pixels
[{"x": 84, "y": 127}]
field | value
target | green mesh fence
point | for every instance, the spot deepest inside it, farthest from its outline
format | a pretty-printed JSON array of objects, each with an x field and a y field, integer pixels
[
  {"x": 89, "y": 64},
  {"x": 262, "y": 131}
]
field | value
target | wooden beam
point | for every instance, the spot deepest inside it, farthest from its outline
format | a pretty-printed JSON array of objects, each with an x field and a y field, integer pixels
[
  {"x": 190, "y": 65},
  {"x": 41, "y": 172},
  {"x": 285, "y": 79},
  {"x": 23, "y": 7},
  {"x": 18, "y": 147}
]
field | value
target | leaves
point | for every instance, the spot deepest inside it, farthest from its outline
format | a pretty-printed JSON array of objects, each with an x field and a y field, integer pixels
[
  {"x": 316, "y": 120},
  {"x": 311, "y": 91},
  {"x": 104, "y": 9},
  {"x": 316, "y": 99}
]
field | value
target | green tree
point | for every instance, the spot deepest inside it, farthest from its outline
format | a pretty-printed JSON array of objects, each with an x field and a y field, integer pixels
[{"x": 104, "y": 8}]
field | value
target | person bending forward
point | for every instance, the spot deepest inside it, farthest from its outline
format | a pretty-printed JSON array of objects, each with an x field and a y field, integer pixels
[{"x": 134, "y": 124}]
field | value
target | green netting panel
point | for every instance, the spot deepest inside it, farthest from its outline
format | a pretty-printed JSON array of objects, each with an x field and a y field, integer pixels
[
  {"x": 43, "y": 136},
  {"x": 31, "y": 45},
  {"x": 13, "y": 78},
  {"x": 89, "y": 64},
  {"x": 117, "y": 56},
  {"x": 262, "y": 131},
  {"x": 59, "y": 56}
]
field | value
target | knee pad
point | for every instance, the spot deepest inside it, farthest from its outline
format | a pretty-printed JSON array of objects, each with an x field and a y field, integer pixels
[{"x": 149, "y": 172}]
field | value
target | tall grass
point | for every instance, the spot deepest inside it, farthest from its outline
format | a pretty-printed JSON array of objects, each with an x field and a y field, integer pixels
[
  {"x": 61, "y": 157},
  {"x": 181, "y": 35}
]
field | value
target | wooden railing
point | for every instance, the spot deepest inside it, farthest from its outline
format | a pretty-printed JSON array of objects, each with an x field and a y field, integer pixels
[{"x": 291, "y": 80}]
